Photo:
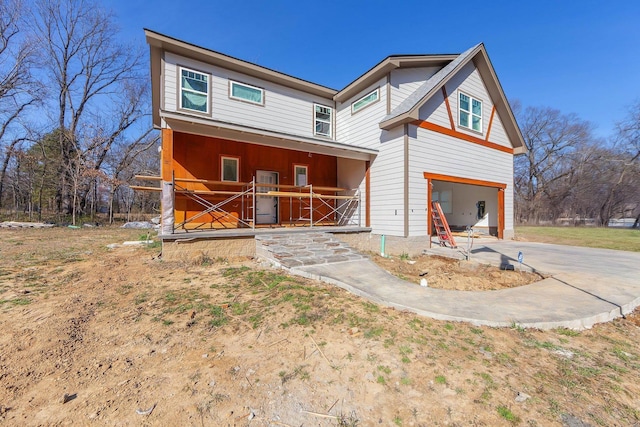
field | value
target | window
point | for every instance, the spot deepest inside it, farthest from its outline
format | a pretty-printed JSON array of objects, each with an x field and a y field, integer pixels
[
  {"x": 230, "y": 169},
  {"x": 366, "y": 100},
  {"x": 194, "y": 90},
  {"x": 243, "y": 92},
  {"x": 470, "y": 112},
  {"x": 322, "y": 120},
  {"x": 300, "y": 174}
]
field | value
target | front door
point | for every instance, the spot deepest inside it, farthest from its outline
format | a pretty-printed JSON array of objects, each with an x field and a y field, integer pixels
[{"x": 266, "y": 206}]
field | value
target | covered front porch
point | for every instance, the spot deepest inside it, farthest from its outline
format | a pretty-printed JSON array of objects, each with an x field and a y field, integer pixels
[{"x": 219, "y": 178}]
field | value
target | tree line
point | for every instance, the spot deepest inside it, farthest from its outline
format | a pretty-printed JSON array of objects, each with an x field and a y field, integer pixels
[
  {"x": 570, "y": 176},
  {"x": 74, "y": 112},
  {"x": 75, "y": 127}
]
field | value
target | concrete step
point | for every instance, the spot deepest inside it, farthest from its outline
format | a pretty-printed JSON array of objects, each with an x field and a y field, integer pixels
[{"x": 300, "y": 249}]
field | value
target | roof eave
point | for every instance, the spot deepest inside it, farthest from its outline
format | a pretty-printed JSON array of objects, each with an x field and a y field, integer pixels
[
  {"x": 483, "y": 63},
  {"x": 387, "y": 65},
  {"x": 208, "y": 56},
  {"x": 399, "y": 120}
]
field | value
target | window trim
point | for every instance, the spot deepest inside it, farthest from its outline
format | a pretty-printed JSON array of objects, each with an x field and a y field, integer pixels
[
  {"x": 295, "y": 175},
  {"x": 470, "y": 112},
  {"x": 316, "y": 120},
  {"x": 180, "y": 89},
  {"x": 224, "y": 157},
  {"x": 376, "y": 90},
  {"x": 237, "y": 98}
]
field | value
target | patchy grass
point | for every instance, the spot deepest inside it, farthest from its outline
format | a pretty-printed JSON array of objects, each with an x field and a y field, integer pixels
[
  {"x": 209, "y": 339},
  {"x": 593, "y": 237}
]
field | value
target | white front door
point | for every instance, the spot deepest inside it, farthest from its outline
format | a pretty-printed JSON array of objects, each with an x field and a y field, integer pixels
[{"x": 266, "y": 206}]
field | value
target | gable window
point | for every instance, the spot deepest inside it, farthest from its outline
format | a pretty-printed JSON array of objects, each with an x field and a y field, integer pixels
[
  {"x": 322, "y": 120},
  {"x": 194, "y": 90},
  {"x": 365, "y": 101},
  {"x": 470, "y": 112},
  {"x": 300, "y": 173},
  {"x": 248, "y": 93},
  {"x": 229, "y": 168}
]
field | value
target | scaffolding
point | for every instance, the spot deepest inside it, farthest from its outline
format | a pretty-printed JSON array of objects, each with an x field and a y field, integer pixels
[{"x": 316, "y": 205}]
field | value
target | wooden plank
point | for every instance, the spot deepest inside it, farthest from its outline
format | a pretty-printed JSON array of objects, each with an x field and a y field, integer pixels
[
  {"x": 148, "y": 177},
  {"x": 210, "y": 182},
  {"x": 285, "y": 186},
  {"x": 142, "y": 188},
  {"x": 209, "y": 193},
  {"x": 305, "y": 195}
]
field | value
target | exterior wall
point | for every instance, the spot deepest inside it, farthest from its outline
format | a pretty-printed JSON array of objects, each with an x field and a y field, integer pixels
[
  {"x": 404, "y": 81},
  {"x": 441, "y": 154},
  {"x": 285, "y": 110},
  {"x": 351, "y": 175},
  {"x": 199, "y": 157},
  {"x": 387, "y": 186},
  {"x": 361, "y": 129},
  {"x": 387, "y": 170},
  {"x": 469, "y": 81}
]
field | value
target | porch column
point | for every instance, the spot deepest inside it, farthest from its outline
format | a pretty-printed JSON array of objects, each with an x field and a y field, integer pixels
[
  {"x": 168, "y": 190},
  {"x": 500, "y": 213}
]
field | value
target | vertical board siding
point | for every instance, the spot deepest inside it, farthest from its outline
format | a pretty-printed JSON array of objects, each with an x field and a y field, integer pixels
[
  {"x": 285, "y": 110},
  {"x": 200, "y": 157},
  {"x": 404, "y": 81}
]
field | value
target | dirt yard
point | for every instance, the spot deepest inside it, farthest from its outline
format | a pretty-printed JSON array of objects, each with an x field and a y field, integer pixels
[
  {"x": 452, "y": 274},
  {"x": 98, "y": 336}
]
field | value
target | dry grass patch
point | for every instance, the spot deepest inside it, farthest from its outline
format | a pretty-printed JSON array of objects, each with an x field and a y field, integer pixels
[{"x": 230, "y": 343}]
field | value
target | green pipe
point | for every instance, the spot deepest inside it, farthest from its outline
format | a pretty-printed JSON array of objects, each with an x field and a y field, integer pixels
[{"x": 382, "y": 242}]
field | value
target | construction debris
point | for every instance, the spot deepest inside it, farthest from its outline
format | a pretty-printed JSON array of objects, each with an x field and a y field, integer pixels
[{"x": 16, "y": 224}]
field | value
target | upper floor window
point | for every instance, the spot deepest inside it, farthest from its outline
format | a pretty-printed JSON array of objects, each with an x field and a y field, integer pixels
[
  {"x": 194, "y": 90},
  {"x": 365, "y": 101},
  {"x": 230, "y": 168},
  {"x": 322, "y": 120},
  {"x": 470, "y": 112},
  {"x": 244, "y": 92}
]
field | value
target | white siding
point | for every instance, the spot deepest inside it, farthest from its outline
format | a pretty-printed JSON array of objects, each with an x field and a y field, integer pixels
[
  {"x": 498, "y": 134},
  {"x": 435, "y": 111},
  {"x": 361, "y": 129},
  {"x": 441, "y": 154},
  {"x": 404, "y": 81},
  {"x": 387, "y": 170},
  {"x": 285, "y": 110},
  {"x": 387, "y": 186}
]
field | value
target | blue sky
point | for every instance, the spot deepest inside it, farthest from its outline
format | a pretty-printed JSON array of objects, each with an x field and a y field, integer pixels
[{"x": 580, "y": 57}]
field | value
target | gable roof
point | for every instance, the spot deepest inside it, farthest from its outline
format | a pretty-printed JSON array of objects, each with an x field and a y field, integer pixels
[
  {"x": 408, "y": 110},
  {"x": 388, "y": 64}
]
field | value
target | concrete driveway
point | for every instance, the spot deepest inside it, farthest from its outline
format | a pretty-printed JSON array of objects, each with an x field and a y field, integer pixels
[{"x": 586, "y": 286}]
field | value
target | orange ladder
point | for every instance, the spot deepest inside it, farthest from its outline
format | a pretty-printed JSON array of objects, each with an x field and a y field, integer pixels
[{"x": 441, "y": 225}]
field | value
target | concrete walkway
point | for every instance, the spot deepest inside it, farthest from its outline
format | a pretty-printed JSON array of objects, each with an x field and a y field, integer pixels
[{"x": 587, "y": 286}]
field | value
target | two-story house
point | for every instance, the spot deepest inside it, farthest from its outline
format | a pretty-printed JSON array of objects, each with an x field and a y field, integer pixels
[{"x": 244, "y": 146}]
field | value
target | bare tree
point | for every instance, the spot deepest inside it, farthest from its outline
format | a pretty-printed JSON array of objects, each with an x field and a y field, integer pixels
[
  {"x": 544, "y": 176},
  {"x": 129, "y": 158},
  {"x": 87, "y": 66},
  {"x": 18, "y": 88}
]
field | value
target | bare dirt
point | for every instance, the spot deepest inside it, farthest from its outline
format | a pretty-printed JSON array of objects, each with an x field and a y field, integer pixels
[
  {"x": 92, "y": 336},
  {"x": 452, "y": 274}
]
